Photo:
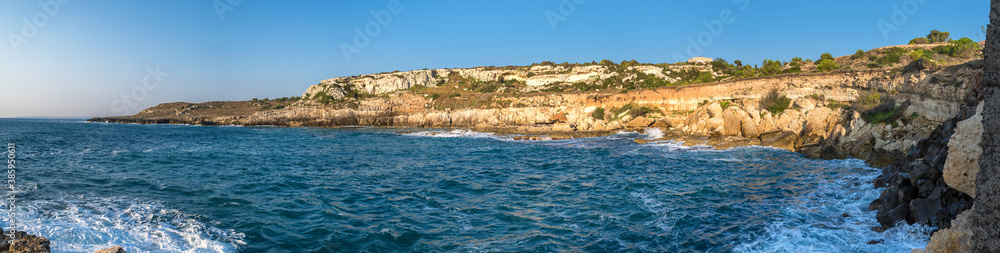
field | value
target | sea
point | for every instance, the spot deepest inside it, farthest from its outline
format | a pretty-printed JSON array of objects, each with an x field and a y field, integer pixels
[{"x": 181, "y": 188}]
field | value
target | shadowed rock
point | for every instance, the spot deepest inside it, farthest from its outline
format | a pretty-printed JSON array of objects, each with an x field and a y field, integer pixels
[{"x": 986, "y": 227}]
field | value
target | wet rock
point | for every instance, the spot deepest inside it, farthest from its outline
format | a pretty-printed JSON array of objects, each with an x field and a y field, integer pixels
[
  {"x": 25, "y": 243},
  {"x": 115, "y": 249},
  {"x": 640, "y": 122},
  {"x": 923, "y": 211},
  {"x": 887, "y": 199},
  {"x": 902, "y": 179},
  {"x": 879, "y": 181},
  {"x": 919, "y": 171},
  {"x": 957, "y": 238},
  {"x": 906, "y": 193},
  {"x": 779, "y": 139},
  {"x": 889, "y": 217},
  {"x": 873, "y": 242},
  {"x": 925, "y": 187}
]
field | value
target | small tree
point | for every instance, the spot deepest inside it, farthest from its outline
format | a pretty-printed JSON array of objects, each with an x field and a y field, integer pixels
[
  {"x": 770, "y": 67},
  {"x": 919, "y": 41},
  {"x": 824, "y": 56},
  {"x": 796, "y": 59},
  {"x": 858, "y": 55},
  {"x": 738, "y": 63},
  {"x": 827, "y": 65},
  {"x": 937, "y": 36},
  {"x": 598, "y": 113}
]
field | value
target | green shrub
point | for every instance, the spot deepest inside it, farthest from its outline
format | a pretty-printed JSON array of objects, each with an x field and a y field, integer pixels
[
  {"x": 827, "y": 65},
  {"x": 964, "y": 48},
  {"x": 770, "y": 67},
  {"x": 724, "y": 103},
  {"x": 598, "y": 113},
  {"x": 824, "y": 56},
  {"x": 919, "y": 41},
  {"x": 937, "y": 36},
  {"x": 774, "y": 102},
  {"x": 796, "y": 59},
  {"x": 874, "y": 65},
  {"x": 858, "y": 55},
  {"x": 795, "y": 69},
  {"x": 876, "y": 108},
  {"x": 890, "y": 57},
  {"x": 435, "y": 96},
  {"x": 961, "y": 48},
  {"x": 921, "y": 53},
  {"x": 633, "y": 110}
]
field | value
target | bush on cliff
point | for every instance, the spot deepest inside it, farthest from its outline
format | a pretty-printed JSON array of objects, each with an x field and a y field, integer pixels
[
  {"x": 919, "y": 41},
  {"x": 774, "y": 102},
  {"x": 877, "y": 108},
  {"x": 961, "y": 48},
  {"x": 858, "y": 55},
  {"x": 824, "y": 56},
  {"x": 938, "y": 36},
  {"x": 827, "y": 65},
  {"x": 770, "y": 67},
  {"x": 633, "y": 110},
  {"x": 598, "y": 113}
]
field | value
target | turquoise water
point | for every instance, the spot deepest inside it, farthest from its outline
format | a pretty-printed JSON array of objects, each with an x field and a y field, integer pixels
[{"x": 171, "y": 188}]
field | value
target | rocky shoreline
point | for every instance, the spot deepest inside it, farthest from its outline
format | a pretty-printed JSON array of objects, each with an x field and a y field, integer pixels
[{"x": 911, "y": 135}]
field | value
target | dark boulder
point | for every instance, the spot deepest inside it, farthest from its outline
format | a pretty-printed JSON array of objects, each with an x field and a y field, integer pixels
[
  {"x": 889, "y": 217},
  {"x": 923, "y": 211},
  {"x": 906, "y": 193},
  {"x": 925, "y": 187}
]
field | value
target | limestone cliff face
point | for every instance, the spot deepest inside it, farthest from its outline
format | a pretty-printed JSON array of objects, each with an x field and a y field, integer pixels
[
  {"x": 534, "y": 77},
  {"x": 816, "y": 120},
  {"x": 962, "y": 166}
]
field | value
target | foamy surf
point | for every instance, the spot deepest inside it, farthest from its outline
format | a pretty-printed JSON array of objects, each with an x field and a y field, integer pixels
[
  {"x": 456, "y": 133},
  {"x": 83, "y": 224},
  {"x": 835, "y": 218}
]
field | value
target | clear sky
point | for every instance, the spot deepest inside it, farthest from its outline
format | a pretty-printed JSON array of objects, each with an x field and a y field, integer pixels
[{"x": 79, "y": 58}]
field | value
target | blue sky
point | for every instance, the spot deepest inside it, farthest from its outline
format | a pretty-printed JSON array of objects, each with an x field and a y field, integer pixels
[{"x": 86, "y": 55}]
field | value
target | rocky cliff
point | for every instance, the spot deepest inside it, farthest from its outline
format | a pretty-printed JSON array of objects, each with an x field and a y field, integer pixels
[
  {"x": 917, "y": 121},
  {"x": 986, "y": 228}
]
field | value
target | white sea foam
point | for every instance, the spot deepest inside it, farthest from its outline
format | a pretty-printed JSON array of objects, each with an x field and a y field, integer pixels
[
  {"x": 452, "y": 134},
  {"x": 818, "y": 224},
  {"x": 84, "y": 224},
  {"x": 653, "y": 133}
]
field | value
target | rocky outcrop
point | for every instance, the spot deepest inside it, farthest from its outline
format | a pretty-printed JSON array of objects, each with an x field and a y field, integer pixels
[
  {"x": 115, "y": 249},
  {"x": 986, "y": 227},
  {"x": 915, "y": 190},
  {"x": 25, "y": 243},
  {"x": 957, "y": 239},
  {"x": 962, "y": 165}
]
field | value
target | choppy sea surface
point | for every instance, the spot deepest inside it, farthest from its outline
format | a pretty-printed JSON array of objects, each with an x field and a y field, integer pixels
[{"x": 177, "y": 188}]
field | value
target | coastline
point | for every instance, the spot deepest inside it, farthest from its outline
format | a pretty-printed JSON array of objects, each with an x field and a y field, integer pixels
[{"x": 922, "y": 103}]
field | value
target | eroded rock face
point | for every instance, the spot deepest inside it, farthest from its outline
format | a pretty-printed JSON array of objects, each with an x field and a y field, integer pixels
[
  {"x": 25, "y": 244},
  {"x": 986, "y": 226},
  {"x": 957, "y": 239},
  {"x": 962, "y": 165}
]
